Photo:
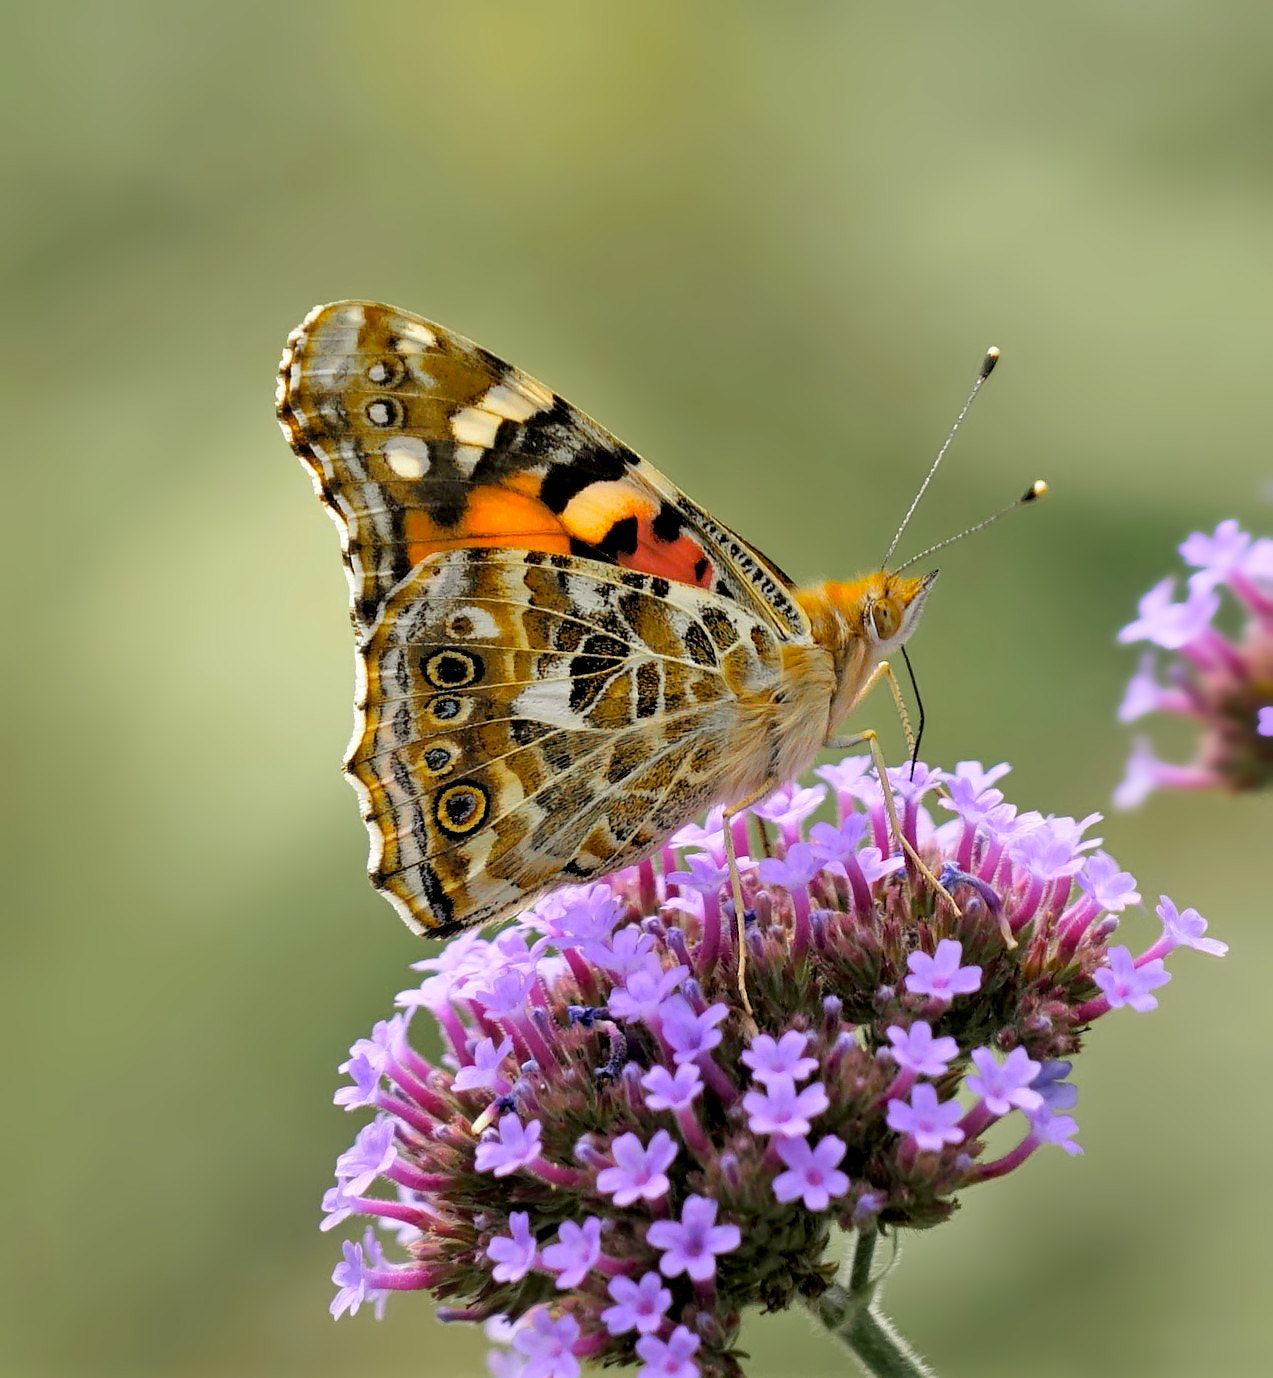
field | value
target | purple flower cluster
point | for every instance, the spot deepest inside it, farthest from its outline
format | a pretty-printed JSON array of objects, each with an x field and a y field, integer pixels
[
  {"x": 610, "y": 1162},
  {"x": 1223, "y": 683}
]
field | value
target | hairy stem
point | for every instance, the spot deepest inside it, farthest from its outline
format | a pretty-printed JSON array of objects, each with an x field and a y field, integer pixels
[{"x": 851, "y": 1313}]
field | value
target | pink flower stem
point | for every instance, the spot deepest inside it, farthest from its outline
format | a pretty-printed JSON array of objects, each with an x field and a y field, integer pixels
[
  {"x": 709, "y": 951},
  {"x": 1092, "y": 1009},
  {"x": 984, "y": 1172},
  {"x": 974, "y": 1123},
  {"x": 404, "y": 1110},
  {"x": 897, "y": 1088},
  {"x": 408, "y": 1279},
  {"x": 423, "y": 1095},
  {"x": 558, "y": 1175},
  {"x": 647, "y": 885},
  {"x": 692, "y": 1133}
]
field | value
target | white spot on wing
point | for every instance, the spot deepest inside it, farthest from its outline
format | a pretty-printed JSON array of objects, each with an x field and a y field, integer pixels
[
  {"x": 466, "y": 458},
  {"x": 407, "y": 456},
  {"x": 547, "y": 702},
  {"x": 510, "y": 403},
  {"x": 473, "y": 426},
  {"x": 418, "y": 333},
  {"x": 589, "y": 596}
]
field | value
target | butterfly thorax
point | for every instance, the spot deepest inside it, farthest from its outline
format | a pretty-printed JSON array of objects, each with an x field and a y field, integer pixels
[{"x": 860, "y": 622}]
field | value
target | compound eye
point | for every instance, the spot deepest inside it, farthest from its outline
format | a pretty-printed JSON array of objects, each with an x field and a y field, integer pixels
[{"x": 886, "y": 617}]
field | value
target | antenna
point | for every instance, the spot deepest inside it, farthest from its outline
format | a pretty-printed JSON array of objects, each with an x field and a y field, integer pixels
[
  {"x": 987, "y": 367},
  {"x": 1032, "y": 494}
]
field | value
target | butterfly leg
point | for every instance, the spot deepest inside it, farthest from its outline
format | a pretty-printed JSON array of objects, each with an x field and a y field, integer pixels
[
  {"x": 736, "y": 887},
  {"x": 885, "y": 671}
]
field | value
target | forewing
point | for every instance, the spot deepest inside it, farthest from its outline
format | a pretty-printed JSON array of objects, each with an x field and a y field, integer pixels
[
  {"x": 421, "y": 442},
  {"x": 529, "y": 719}
]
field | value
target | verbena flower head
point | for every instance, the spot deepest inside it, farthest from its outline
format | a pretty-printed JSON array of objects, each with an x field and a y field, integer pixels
[
  {"x": 610, "y": 1156},
  {"x": 1223, "y": 683}
]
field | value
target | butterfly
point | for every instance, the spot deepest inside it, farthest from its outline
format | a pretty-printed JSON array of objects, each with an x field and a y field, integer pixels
[{"x": 561, "y": 657}]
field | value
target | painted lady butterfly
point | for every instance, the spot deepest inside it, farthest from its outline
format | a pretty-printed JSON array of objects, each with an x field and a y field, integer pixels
[{"x": 561, "y": 657}]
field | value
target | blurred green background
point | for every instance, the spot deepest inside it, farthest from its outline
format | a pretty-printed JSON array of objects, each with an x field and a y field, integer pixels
[{"x": 766, "y": 245}]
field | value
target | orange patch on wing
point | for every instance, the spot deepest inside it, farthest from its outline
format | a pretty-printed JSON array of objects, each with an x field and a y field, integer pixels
[{"x": 495, "y": 516}]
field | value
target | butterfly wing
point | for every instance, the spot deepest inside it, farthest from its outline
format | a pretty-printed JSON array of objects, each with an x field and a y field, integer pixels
[
  {"x": 531, "y": 718},
  {"x": 421, "y": 442}
]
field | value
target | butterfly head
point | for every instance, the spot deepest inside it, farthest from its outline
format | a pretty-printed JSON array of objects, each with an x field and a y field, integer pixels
[
  {"x": 886, "y": 608},
  {"x": 873, "y": 614},
  {"x": 862, "y": 622}
]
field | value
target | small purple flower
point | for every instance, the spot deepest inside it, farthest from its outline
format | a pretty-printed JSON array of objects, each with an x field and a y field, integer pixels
[
  {"x": 789, "y": 805},
  {"x": 782, "y": 1110},
  {"x": 373, "y": 1152},
  {"x": 691, "y": 1244},
  {"x": 1143, "y": 694},
  {"x": 1112, "y": 890},
  {"x": 1050, "y": 1128},
  {"x": 1216, "y": 558},
  {"x": 582, "y": 917},
  {"x": 485, "y": 1073},
  {"x": 365, "y": 1073},
  {"x": 638, "y": 1306},
  {"x": 931, "y": 1123},
  {"x": 1056, "y": 1092},
  {"x": 1172, "y": 625},
  {"x": 513, "y": 1254},
  {"x": 644, "y": 992},
  {"x": 770, "y": 1058},
  {"x": 1217, "y": 682},
  {"x": 506, "y": 992},
  {"x": 916, "y": 1050},
  {"x": 976, "y": 777},
  {"x": 548, "y": 1342},
  {"x": 575, "y": 1253},
  {"x": 640, "y": 1170},
  {"x": 690, "y": 1034},
  {"x": 350, "y": 1278},
  {"x": 812, "y": 1173},
  {"x": 940, "y": 975},
  {"x": 337, "y": 1207},
  {"x": 792, "y": 872},
  {"x": 670, "y": 1358},
  {"x": 844, "y": 776},
  {"x": 514, "y": 1145},
  {"x": 1126, "y": 984},
  {"x": 626, "y": 951},
  {"x": 837, "y": 844},
  {"x": 709, "y": 834},
  {"x": 1186, "y": 929},
  {"x": 1006, "y": 1085},
  {"x": 704, "y": 873},
  {"x": 673, "y": 1091},
  {"x": 1146, "y": 773}
]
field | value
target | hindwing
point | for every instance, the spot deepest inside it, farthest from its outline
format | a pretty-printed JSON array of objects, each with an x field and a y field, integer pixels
[
  {"x": 528, "y": 719},
  {"x": 421, "y": 442}
]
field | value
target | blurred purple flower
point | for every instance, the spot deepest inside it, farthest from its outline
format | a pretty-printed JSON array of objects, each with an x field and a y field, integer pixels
[{"x": 1221, "y": 684}]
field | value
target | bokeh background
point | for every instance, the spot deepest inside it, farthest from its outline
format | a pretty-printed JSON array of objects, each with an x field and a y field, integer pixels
[{"x": 767, "y": 245}]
